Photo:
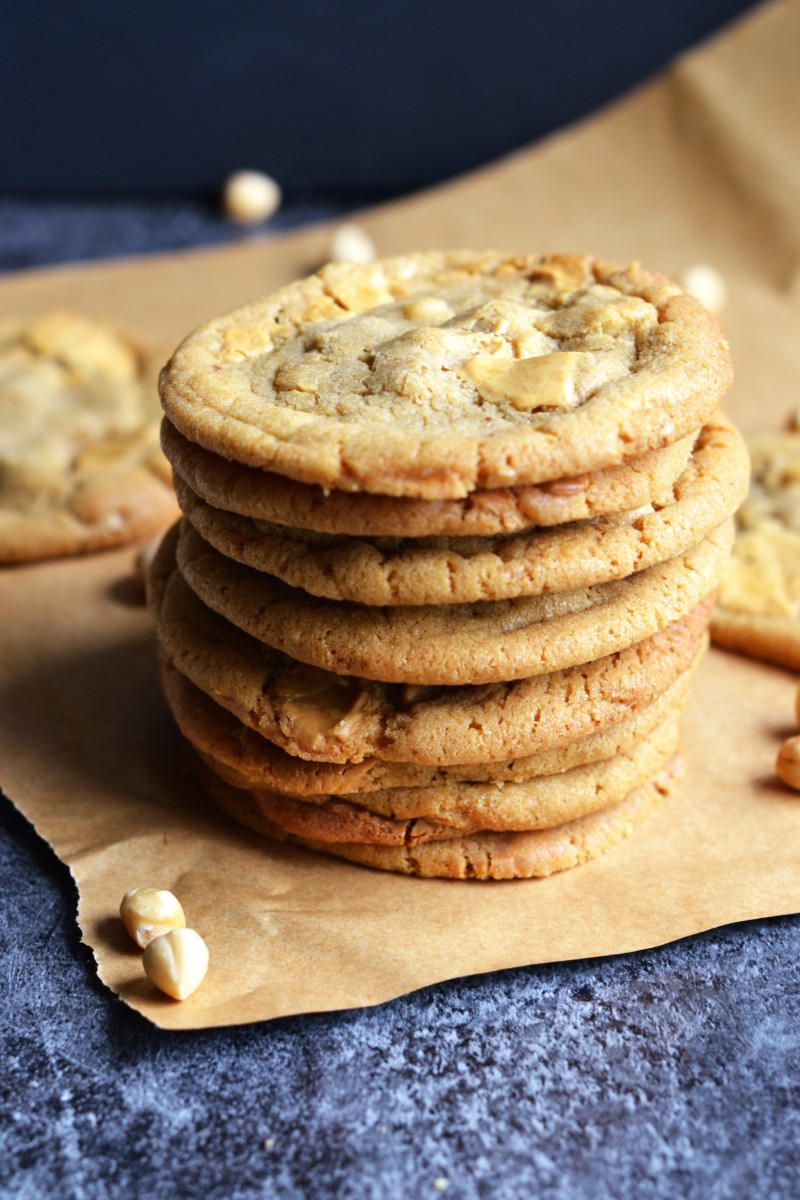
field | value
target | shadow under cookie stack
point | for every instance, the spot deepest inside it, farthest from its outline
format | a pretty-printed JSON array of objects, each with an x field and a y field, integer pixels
[{"x": 452, "y": 528}]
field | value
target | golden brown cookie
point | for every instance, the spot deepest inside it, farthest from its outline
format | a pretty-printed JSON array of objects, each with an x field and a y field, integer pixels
[
  {"x": 339, "y": 718},
  {"x": 453, "y": 644},
  {"x": 265, "y": 496},
  {"x": 479, "y": 856},
  {"x": 464, "y": 570},
  {"x": 80, "y": 463},
  {"x": 400, "y": 816},
  {"x": 758, "y": 606},
  {"x": 433, "y": 374},
  {"x": 245, "y": 759}
]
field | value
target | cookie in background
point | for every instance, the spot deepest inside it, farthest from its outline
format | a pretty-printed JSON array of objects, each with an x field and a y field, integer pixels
[
  {"x": 80, "y": 464},
  {"x": 758, "y": 605}
]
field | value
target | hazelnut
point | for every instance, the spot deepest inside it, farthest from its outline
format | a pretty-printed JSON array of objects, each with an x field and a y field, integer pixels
[
  {"x": 250, "y": 197},
  {"x": 148, "y": 913},
  {"x": 177, "y": 962},
  {"x": 350, "y": 243}
]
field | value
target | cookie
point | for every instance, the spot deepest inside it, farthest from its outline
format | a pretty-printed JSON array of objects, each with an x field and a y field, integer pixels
[
  {"x": 465, "y": 570},
  {"x": 332, "y": 718},
  {"x": 266, "y": 496},
  {"x": 245, "y": 759},
  {"x": 433, "y": 374},
  {"x": 401, "y": 816},
  {"x": 80, "y": 463},
  {"x": 454, "y": 644},
  {"x": 758, "y": 605},
  {"x": 480, "y": 856}
]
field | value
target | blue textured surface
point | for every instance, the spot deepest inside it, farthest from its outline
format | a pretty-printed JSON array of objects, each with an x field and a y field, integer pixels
[
  {"x": 670, "y": 1073},
  {"x": 666, "y": 1074},
  {"x": 38, "y": 231}
]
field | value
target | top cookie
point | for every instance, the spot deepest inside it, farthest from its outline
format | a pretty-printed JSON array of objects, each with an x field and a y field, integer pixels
[{"x": 433, "y": 374}]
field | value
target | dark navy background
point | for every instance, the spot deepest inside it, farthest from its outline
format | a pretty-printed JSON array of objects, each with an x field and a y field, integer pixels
[
  {"x": 669, "y": 1074},
  {"x": 335, "y": 96}
]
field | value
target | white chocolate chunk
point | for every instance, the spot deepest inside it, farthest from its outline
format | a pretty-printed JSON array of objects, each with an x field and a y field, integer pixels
[
  {"x": 545, "y": 381},
  {"x": 429, "y": 310}
]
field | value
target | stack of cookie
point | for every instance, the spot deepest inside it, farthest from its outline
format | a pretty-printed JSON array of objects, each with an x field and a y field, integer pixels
[{"x": 453, "y": 524}]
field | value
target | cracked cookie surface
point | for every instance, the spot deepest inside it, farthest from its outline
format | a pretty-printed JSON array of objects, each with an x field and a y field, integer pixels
[{"x": 398, "y": 815}]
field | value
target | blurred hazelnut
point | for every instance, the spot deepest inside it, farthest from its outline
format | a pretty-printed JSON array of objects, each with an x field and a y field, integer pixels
[
  {"x": 250, "y": 197},
  {"x": 705, "y": 283},
  {"x": 350, "y": 243}
]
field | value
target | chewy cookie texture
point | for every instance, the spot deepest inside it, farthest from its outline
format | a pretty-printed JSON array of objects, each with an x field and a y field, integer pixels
[
  {"x": 453, "y": 527},
  {"x": 80, "y": 463}
]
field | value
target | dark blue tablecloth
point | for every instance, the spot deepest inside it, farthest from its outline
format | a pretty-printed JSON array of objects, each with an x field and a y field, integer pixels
[{"x": 667, "y": 1074}]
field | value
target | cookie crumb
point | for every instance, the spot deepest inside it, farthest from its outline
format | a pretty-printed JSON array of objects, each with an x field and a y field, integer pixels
[
  {"x": 440, "y": 1184},
  {"x": 269, "y": 1143}
]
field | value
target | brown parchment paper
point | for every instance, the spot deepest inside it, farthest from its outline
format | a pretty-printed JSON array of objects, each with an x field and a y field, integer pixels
[{"x": 701, "y": 165}]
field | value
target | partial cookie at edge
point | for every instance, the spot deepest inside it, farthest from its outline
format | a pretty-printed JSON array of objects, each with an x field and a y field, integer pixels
[{"x": 80, "y": 464}]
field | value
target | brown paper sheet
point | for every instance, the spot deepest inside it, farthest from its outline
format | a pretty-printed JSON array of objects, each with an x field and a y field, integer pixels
[{"x": 701, "y": 165}]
